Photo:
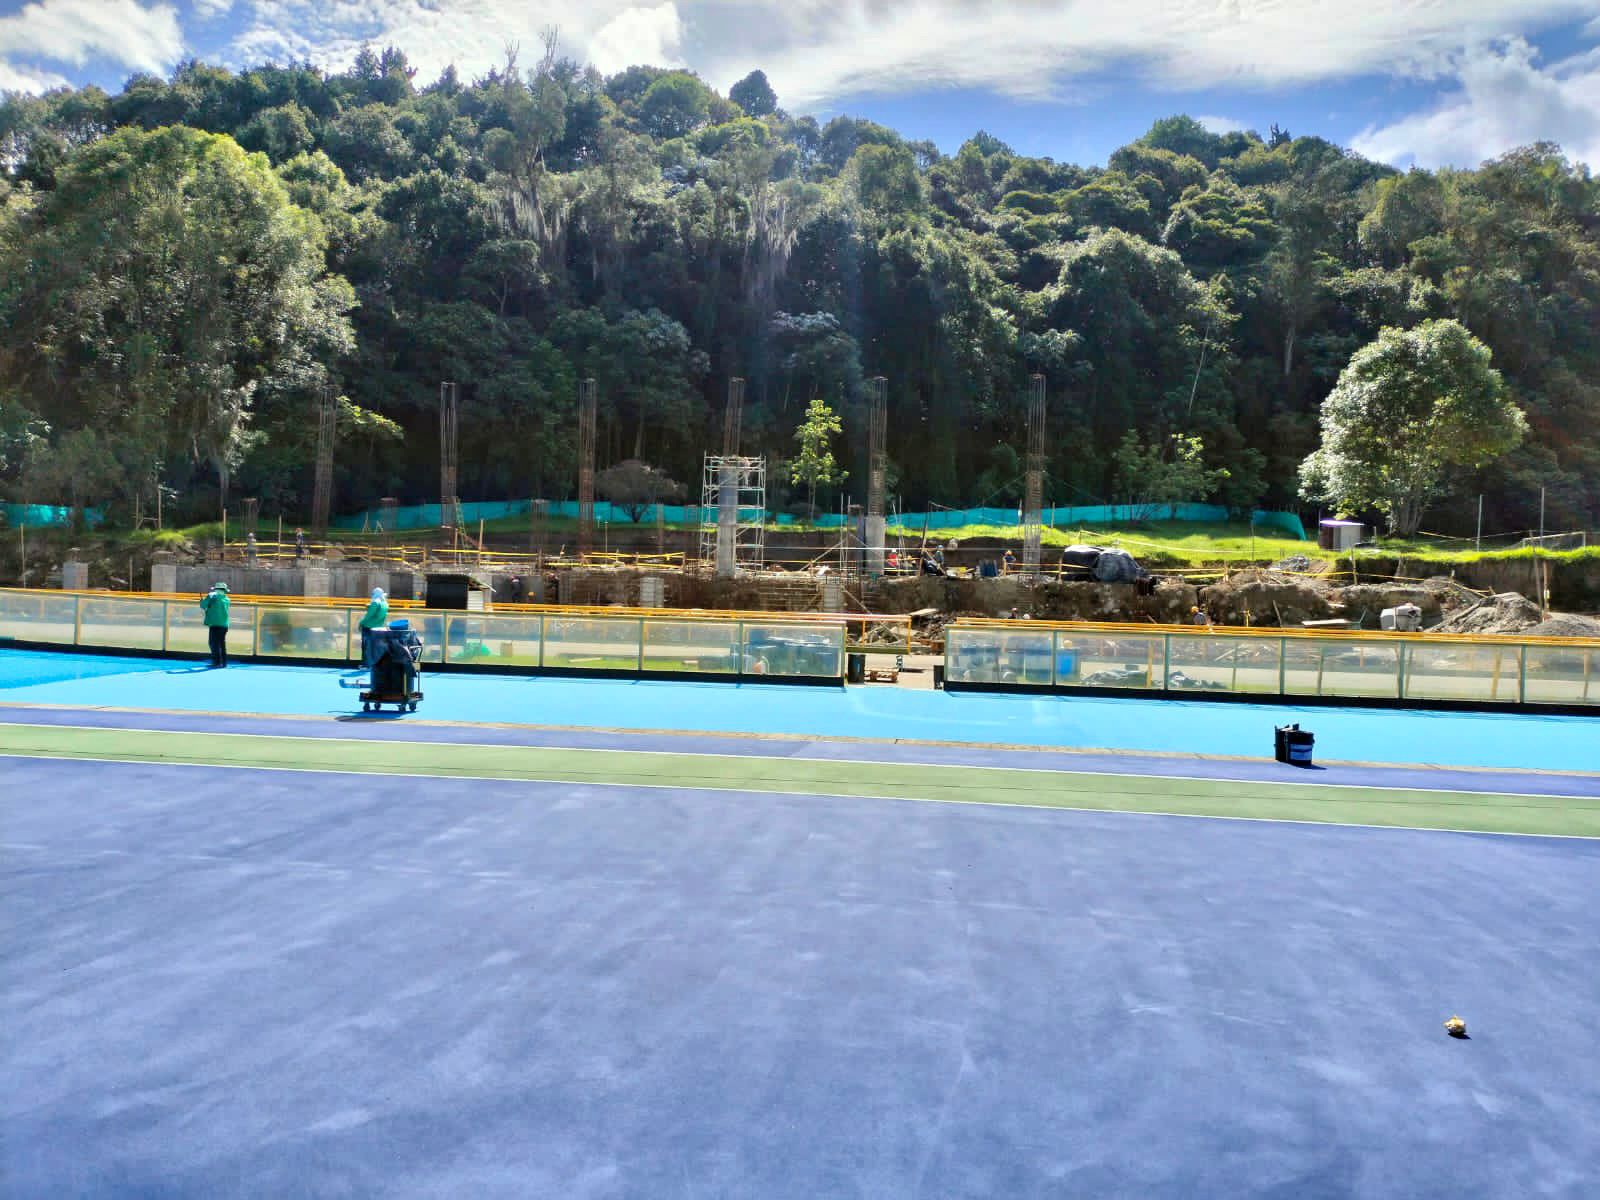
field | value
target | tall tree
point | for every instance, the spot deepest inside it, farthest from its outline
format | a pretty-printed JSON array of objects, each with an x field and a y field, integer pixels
[
  {"x": 1410, "y": 406},
  {"x": 814, "y": 465},
  {"x": 162, "y": 293}
]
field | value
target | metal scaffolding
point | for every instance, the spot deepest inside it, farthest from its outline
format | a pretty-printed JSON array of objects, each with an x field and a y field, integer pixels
[
  {"x": 733, "y": 418},
  {"x": 877, "y": 471},
  {"x": 735, "y": 489},
  {"x": 322, "y": 490},
  {"x": 588, "y": 406},
  {"x": 449, "y": 441},
  {"x": 1033, "y": 501}
]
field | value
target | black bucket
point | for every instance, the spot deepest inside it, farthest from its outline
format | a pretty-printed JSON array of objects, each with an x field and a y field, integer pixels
[
  {"x": 855, "y": 668},
  {"x": 1292, "y": 745}
]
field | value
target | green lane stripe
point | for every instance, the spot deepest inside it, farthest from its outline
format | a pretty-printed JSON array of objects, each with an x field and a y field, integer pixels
[{"x": 1418, "y": 809}]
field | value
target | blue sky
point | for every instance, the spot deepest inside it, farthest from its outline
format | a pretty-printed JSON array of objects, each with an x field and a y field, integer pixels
[{"x": 1427, "y": 81}]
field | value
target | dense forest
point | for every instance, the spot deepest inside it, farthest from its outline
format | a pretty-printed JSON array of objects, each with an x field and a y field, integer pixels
[{"x": 190, "y": 264}]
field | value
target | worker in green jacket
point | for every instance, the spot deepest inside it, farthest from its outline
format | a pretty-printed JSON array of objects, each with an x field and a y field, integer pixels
[
  {"x": 214, "y": 604},
  {"x": 376, "y": 617}
]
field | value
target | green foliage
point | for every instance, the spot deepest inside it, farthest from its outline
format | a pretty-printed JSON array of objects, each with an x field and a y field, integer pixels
[
  {"x": 1168, "y": 473},
  {"x": 1219, "y": 228},
  {"x": 674, "y": 105},
  {"x": 636, "y": 487},
  {"x": 754, "y": 95},
  {"x": 815, "y": 464},
  {"x": 541, "y": 223},
  {"x": 1409, "y": 407},
  {"x": 1110, "y": 202},
  {"x": 886, "y": 180},
  {"x": 165, "y": 292}
]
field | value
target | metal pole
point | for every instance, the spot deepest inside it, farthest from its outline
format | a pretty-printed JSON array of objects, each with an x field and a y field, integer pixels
[
  {"x": 1539, "y": 560},
  {"x": 1478, "y": 541}
]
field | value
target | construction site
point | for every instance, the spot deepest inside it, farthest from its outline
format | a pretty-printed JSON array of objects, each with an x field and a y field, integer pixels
[{"x": 726, "y": 553}]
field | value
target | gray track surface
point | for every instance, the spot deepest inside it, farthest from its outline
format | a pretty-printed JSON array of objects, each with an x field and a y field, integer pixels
[{"x": 222, "y": 982}]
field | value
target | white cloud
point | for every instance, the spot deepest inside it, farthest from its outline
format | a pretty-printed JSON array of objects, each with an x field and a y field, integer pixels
[
  {"x": 1504, "y": 100},
  {"x": 208, "y": 9},
  {"x": 1222, "y": 124},
  {"x": 127, "y": 33},
  {"x": 638, "y": 35},
  {"x": 472, "y": 34},
  {"x": 816, "y": 51},
  {"x": 25, "y": 79}
]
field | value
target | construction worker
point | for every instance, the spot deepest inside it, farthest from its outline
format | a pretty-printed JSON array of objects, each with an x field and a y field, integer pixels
[
  {"x": 1198, "y": 616},
  {"x": 1010, "y": 561},
  {"x": 299, "y": 544},
  {"x": 214, "y": 604}
]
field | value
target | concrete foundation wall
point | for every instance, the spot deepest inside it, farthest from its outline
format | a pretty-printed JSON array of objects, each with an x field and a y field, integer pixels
[{"x": 334, "y": 580}]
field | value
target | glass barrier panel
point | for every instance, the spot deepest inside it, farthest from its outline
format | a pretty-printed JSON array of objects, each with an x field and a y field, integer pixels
[
  {"x": 970, "y": 656},
  {"x": 124, "y": 624},
  {"x": 429, "y": 627},
  {"x": 30, "y": 617},
  {"x": 1462, "y": 672},
  {"x": 1562, "y": 675},
  {"x": 808, "y": 651},
  {"x": 1025, "y": 658},
  {"x": 186, "y": 628},
  {"x": 1341, "y": 667},
  {"x": 1215, "y": 662},
  {"x": 499, "y": 640},
  {"x": 592, "y": 643},
  {"x": 1109, "y": 660},
  {"x": 711, "y": 647},
  {"x": 290, "y": 632}
]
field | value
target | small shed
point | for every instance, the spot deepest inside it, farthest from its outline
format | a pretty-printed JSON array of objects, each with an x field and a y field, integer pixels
[
  {"x": 1339, "y": 535},
  {"x": 455, "y": 591}
]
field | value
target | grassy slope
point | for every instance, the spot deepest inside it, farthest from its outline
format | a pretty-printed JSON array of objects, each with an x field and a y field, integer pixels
[{"x": 1173, "y": 542}]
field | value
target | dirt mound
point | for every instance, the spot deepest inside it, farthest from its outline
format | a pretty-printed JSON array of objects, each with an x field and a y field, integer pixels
[
  {"x": 1268, "y": 598},
  {"x": 1169, "y": 601},
  {"x": 1364, "y": 602},
  {"x": 1566, "y": 625},
  {"x": 1509, "y": 612}
]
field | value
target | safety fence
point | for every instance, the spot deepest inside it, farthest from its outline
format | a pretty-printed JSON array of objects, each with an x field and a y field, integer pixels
[
  {"x": 622, "y": 641},
  {"x": 1279, "y": 664},
  {"x": 47, "y": 516},
  {"x": 431, "y": 516}
]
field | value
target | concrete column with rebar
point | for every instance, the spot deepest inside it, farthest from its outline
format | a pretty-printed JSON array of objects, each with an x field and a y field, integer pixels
[
  {"x": 727, "y": 518},
  {"x": 1033, "y": 498},
  {"x": 877, "y": 473},
  {"x": 588, "y": 405},
  {"x": 449, "y": 435}
]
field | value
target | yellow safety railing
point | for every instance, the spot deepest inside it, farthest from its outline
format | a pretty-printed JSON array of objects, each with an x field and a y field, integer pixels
[
  {"x": 779, "y": 645},
  {"x": 1289, "y": 663},
  {"x": 235, "y": 597}
]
